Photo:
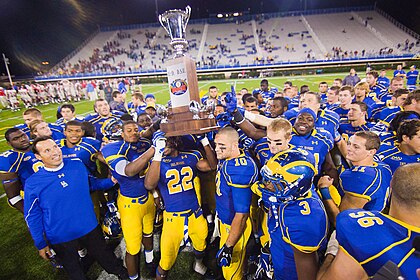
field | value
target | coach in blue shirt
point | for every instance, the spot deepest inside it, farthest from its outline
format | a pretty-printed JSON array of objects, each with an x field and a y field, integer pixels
[{"x": 59, "y": 212}]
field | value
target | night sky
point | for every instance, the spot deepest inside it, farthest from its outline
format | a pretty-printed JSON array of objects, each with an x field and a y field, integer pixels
[{"x": 33, "y": 31}]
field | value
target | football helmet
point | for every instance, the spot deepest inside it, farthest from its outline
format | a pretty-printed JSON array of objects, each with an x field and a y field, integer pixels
[
  {"x": 290, "y": 172},
  {"x": 112, "y": 128},
  {"x": 111, "y": 224}
]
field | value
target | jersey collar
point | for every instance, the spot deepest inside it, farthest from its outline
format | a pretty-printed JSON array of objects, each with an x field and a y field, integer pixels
[{"x": 54, "y": 169}]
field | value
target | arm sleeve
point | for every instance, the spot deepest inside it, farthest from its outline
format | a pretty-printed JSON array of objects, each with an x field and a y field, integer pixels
[
  {"x": 96, "y": 184},
  {"x": 33, "y": 218}
]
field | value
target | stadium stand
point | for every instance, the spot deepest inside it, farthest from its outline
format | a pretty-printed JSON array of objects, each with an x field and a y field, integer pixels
[{"x": 251, "y": 40}]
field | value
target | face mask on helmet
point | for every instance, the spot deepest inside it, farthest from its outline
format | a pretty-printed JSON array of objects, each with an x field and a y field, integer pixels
[
  {"x": 288, "y": 175},
  {"x": 112, "y": 129}
]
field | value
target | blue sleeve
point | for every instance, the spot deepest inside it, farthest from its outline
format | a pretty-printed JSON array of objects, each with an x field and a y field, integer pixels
[
  {"x": 9, "y": 161},
  {"x": 241, "y": 172},
  {"x": 241, "y": 199},
  {"x": 96, "y": 184},
  {"x": 33, "y": 217},
  {"x": 361, "y": 181}
]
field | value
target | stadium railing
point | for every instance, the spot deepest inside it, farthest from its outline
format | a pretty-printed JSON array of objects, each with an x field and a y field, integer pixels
[{"x": 205, "y": 69}]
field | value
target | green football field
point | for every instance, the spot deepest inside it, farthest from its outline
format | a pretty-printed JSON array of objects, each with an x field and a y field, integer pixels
[{"x": 19, "y": 258}]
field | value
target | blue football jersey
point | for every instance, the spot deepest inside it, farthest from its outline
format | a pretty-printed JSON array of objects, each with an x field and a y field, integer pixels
[
  {"x": 318, "y": 143},
  {"x": 389, "y": 137},
  {"x": 262, "y": 151},
  {"x": 373, "y": 239},
  {"x": 115, "y": 152},
  {"x": 24, "y": 164},
  {"x": 369, "y": 182},
  {"x": 393, "y": 156},
  {"x": 304, "y": 226},
  {"x": 341, "y": 112},
  {"x": 85, "y": 150},
  {"x": 178, "y": 180},
  {"x": 347, "y": 130},
  {"x": 266, "y": 95},
  {"x": 234, "y": 178},
  {"x": 97, "y": 120},
  {"x": 384, "y": 81},
  {"x": 376, "y": 91},
  {"x": 386, "y": 115}
]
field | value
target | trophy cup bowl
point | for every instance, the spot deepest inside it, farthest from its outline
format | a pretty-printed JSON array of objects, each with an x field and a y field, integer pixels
[
  {"x": 175, "y": 24},
  {"x": 186, "y": 116}
]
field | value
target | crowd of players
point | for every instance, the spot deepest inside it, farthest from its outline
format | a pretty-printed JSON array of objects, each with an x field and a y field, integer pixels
[{"x": 294, "y": 184}]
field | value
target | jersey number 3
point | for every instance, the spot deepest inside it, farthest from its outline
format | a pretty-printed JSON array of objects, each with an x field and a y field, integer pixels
[{"x": 179, "y": 181}]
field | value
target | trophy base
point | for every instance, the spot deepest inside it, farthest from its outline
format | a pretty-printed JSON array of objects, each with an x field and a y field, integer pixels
[{"x": 193, "y": 126}]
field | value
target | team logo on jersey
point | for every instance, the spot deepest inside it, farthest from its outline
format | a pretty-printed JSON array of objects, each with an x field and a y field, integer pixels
[
  {"x": 64, "y": 184},
  {"x": 396, "y": 158},
  {"x": 61, "y": 175},
  {"x": 27, "y": 158},
  {"x": 179, "y": 87}
]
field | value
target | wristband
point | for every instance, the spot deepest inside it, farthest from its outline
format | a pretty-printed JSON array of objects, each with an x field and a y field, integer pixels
[
  {"x": 250, "y": 116},
  {"x": 155, "y": 194},
  {"x": 15, "y": 200},
  {"x": 237, "y": 117},
  {"x": 325, "y": 193},
  {"x": 205, "y": 141}
]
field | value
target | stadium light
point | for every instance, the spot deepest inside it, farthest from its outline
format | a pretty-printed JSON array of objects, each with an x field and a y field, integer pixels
[
  {"x": 219, "y": 15},
  {"x": 235, "y": 14},
  {"x": 45, "y": 63}
]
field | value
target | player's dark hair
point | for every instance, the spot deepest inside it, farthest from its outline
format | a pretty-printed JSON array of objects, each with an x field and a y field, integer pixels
[
  {"x": 397, "y": 78},
  {"x": 400, "y": 92},
  {"x": 138, "y": 95},
  {"x": 264, "y": 82},
  {"x": 339, "y": 80},
  {"x": 373, "y": 73},
  {"x": 126, "y": 117},
  {"x": 68, "y": 106},
  {"x": 414, "y": 95},
  {"x": 349, "y": 88},
  {"x": 408, "y": 128},
  {"x": 245, "y": 96},
  {"x": 335, "y": 89},
  {"x": 251, "y": 99},
  {"x": 405, "y": 190},
  {"x": 115, "y": 93},
  {"x": 400, "y": 117},
  {"x": 32, "y": 111},
  {"x": 127, "y": 123},
  {"x": 323, "y": 83},
  {"x": 74, "y": 123},
  {"x": 175, "y": 142},
  {"x": 362, "y": 105},
  {"x": 304, "y": 88},
  {"x": 212, "y": 87},
  {"x": 372, "y": 140},
  {"x": 288, "y": 83},
  {"x": 10, "y": 131},
  {"x": 89, "y": 128},
  {"x": 37, "y": 140}
]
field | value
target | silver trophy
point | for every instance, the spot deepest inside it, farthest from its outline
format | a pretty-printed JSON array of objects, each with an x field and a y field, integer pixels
[{"x": 175, "y": 24}]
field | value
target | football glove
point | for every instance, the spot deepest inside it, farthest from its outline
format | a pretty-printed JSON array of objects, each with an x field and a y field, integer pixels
[{"x": 224, "y": 256}]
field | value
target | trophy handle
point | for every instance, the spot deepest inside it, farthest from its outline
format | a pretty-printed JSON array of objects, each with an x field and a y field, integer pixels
[
  {"x": 162, "y": 21},
  {"x": 188, "y": 11}
]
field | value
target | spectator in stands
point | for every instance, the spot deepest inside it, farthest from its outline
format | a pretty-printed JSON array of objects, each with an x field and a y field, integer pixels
[
  {"x": 352, "y": 79},
  {"x": 412, "y": 76},
  {"x": 117, "y": 102},
  {"x": 399, "y": 72}
]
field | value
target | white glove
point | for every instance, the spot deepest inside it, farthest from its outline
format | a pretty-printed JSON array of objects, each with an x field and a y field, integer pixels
[
  {"x": 332, "y": 247},
  {"x": 159, "y": 148}
]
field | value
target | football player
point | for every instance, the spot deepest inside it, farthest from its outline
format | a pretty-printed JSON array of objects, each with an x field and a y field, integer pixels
[
  {"x": 40, "y": 128},
  {"x": 17, "y": 165},
  {"x": 370, "y": 240},
  {"x": 319, "y": 143},
  {"x": 67, "y": 113},
  {"x": 365, "y": 185},
  {"x": 345, "y": 96},
  {"x": 408, "y": 148},
  {"x": 135, "y": 203},
  {"x": 174, "y": 173},
  {"x": 236, "y": 172},
  {"x": 266, "y": 92},
  {"x": 376, "y": 90},
  {"x": 298, "y": 222},
  {"x": 32, "y": 114},
  {"x": 357, "y": 120},
  {"x": 102, "y": 113}
]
